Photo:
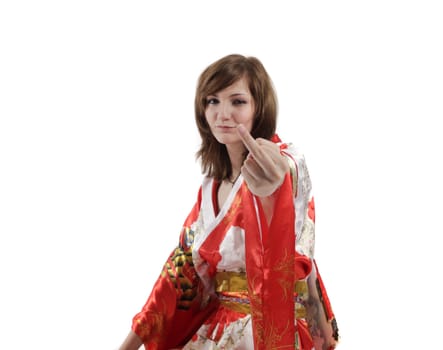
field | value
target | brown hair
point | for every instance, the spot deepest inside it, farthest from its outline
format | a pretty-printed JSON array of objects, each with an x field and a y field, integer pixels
[{"x": 218, "y": 76}]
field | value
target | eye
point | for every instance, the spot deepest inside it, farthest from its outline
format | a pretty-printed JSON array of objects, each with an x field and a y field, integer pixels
[
  {"x": 239, "y": 102},
  {"x": 212, "y": 101}
]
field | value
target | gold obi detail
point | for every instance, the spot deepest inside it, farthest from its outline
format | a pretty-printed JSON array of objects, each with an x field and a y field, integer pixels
[
  {"x": 231, "y": 282},
  {"x": 236, "y": 306},
  {"x": 232, "y": 288},
  {"x": 302, "y": 292},
  {"x": 301, "y": 288}
]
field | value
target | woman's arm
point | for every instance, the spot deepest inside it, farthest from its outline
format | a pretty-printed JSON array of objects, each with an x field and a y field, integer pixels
[
  {"x": 268, "y": 207},
  {"x": 322, "y": 330},
  {"x": 132, "y": 342}
]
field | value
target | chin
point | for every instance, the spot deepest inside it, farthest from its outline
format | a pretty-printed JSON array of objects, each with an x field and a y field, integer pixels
[{"x": 227, "y": 139}]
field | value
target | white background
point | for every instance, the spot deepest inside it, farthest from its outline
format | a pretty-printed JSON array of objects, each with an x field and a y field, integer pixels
[{"x": 97, "y": 167}]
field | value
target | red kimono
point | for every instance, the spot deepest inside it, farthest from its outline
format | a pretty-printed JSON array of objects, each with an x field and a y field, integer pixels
[{"x": 237, "y": 282}]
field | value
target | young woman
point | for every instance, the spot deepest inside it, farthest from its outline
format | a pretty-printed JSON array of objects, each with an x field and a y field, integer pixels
[{"x": 243, "y": 275}]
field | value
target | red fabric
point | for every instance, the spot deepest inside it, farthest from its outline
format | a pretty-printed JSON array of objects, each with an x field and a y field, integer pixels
[
  {"x": 302, "y": 266},
  {"x": 311, "y": 209},
  {"x": 162, "y": 324},
  {"x": 324, "y": 296},
  {"x": 221, "y": 319},
  {"x": 306, "y": 341},
  {"x": 270, "y": 270},
  {"x": 276, "y": 139},
  {"x": 210, "y": 249}
]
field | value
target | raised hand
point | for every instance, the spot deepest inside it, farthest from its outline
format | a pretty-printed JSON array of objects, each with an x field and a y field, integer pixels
[{"x": 265, "y": 167}]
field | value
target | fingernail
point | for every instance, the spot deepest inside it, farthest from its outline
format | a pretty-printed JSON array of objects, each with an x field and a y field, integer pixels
[{"x": 241, "y": 128}]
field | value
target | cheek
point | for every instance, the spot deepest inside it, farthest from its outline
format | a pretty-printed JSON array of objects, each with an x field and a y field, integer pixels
[
  {"x": 248, "y": 118},
  {"x": 209, "y": 117}
]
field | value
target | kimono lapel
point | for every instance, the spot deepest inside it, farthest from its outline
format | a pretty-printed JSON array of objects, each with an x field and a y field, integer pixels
[
  {"x": 215, "y": 227},
  {"x": 270, "y": 269}
]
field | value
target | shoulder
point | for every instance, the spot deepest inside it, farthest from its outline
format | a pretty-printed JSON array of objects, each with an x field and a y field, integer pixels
[
  {"x": 293, "y": 151},
  {"x": 290, "y": 149},
  {"x": 297, "y": 165}
]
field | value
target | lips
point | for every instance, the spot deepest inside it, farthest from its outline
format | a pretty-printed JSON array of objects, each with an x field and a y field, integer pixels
[
  {"x": 225, "y": 129},
  {"x": 225, "y": 126}
]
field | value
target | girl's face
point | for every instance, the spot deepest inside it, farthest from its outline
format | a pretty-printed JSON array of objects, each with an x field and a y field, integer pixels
[{"x": 227, "y": 108}]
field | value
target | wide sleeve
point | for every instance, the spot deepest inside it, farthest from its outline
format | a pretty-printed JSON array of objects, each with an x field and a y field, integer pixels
[
  {"x": 176, "y": 307},
  {"x": 319, "y": 315}
]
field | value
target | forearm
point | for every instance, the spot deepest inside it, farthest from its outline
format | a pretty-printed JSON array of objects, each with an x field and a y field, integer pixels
[
  {"x": 318, "y": 321},
  {"x": 132, "y": 342},
  {"x": 267, "y": 204}
]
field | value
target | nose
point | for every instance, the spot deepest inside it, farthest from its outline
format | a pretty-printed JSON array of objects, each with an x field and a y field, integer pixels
[{"x": 224, "y": 112}]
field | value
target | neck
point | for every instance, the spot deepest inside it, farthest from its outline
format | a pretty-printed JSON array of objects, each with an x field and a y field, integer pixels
[{"x": 235, "y": 153}]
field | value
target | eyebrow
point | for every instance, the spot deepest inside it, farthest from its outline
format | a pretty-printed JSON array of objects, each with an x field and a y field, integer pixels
[{"x": 232, "y": 95}]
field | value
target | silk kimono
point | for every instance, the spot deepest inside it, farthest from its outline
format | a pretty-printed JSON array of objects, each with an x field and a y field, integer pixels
[{"x": 237, "y": 281}]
